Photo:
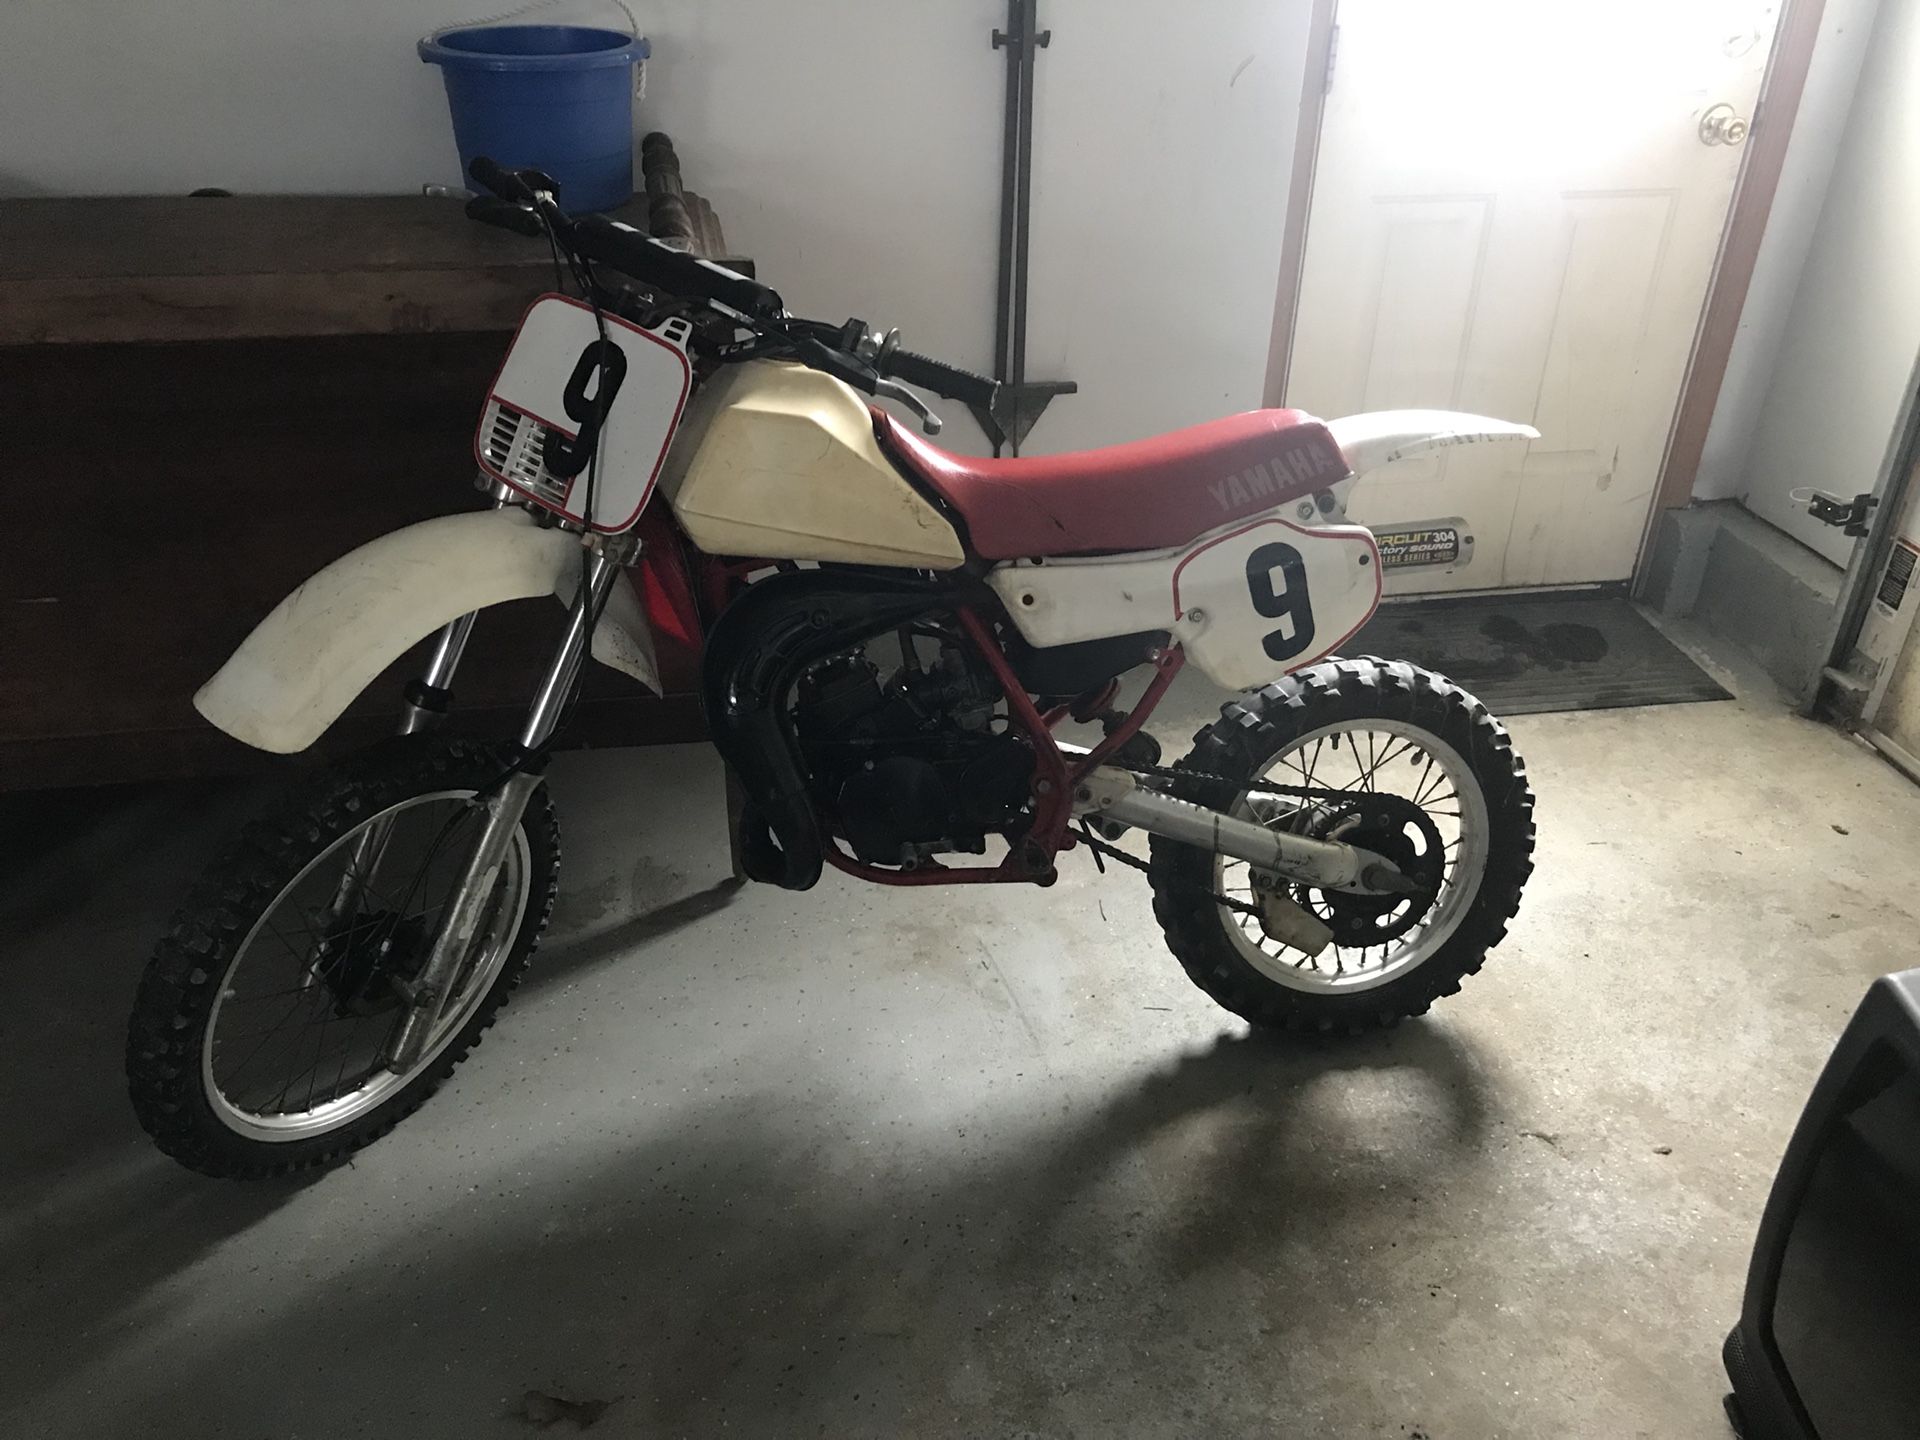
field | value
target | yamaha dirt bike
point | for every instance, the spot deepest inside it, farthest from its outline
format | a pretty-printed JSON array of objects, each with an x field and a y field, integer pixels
[{"x": 891, "y": 636}]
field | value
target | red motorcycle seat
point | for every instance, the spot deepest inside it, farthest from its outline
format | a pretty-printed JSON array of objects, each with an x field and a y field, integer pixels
[{"x": 1146, "y": 495}]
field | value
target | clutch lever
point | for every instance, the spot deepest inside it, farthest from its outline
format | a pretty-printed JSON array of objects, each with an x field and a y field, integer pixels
[{"x": 892, "y": 390}]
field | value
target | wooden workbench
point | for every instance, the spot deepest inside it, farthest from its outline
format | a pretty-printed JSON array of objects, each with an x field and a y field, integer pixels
[{"x": 202, "y": 401}]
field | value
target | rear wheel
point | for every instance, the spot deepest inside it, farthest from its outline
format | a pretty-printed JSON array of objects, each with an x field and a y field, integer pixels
[
  {"x": 1434, "y": 786},
  {"x": 259, "y": 1037}
]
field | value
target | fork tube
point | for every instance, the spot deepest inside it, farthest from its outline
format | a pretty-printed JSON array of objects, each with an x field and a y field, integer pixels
[
  {"x": 504, "y": 807},
  {"x": 428, "y": 699},
  {"x": 558, "y": 684},
  {"x": 429, "y": 696}
]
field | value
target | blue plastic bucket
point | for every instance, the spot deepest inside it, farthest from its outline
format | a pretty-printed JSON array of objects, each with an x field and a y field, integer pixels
[{"x": 556, "y": 97}]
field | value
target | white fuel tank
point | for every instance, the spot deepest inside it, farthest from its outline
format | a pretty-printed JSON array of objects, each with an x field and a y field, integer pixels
[{"x": 777, "y": 461}]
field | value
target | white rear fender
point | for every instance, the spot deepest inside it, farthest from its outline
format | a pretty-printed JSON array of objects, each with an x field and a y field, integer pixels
[
  {"x": 1380, "y": 437},
  {"x": 322, "y": 645}
]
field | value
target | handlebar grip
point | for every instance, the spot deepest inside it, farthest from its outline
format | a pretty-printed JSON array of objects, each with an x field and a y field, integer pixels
[
  {"x": 505, "y": 215},
  {"x": 650, "y": 262},
  {"x": 494, "y": 176},
  {"x": 941, "y": 378}
]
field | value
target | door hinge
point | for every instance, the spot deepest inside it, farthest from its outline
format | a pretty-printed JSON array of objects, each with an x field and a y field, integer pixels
[
  {"x": 1848, "y": 516},
  {"x": 1333, "y": 53}
]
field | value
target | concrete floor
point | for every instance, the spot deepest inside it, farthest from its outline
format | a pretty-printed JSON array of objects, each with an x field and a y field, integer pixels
[{"x": 875, "y": 1163}]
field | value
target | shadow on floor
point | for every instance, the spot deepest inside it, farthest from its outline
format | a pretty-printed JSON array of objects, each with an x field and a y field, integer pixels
[
  {"x": 744, "y": 1267},
  {"x": 567, "y": 954}
]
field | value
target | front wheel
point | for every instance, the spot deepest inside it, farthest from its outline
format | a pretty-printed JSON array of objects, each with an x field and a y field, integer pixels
[
  {"x": 1435, "y": 787},
  {"x": 259, "y": 1039}
]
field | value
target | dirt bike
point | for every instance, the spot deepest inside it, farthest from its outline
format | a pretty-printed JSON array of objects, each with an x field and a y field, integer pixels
[{"x": 891, "y": 636}]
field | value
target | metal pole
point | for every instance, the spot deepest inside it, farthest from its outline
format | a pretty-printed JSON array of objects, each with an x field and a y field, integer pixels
[
  {"x": 1029, "y": 37},
  {"x": 1017, "y": 404},
  {"x": 1009, "y": 39}
]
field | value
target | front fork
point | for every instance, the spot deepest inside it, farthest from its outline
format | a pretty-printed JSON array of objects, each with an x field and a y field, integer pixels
[
  {"x": 428, "y": 700},
  {"x": 505, "y": 802}
]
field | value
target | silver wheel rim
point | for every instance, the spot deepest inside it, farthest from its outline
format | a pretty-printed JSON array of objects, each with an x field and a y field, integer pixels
[
  {"x": 493, "y": 944},
  {"x": 1404, "y": 760}
]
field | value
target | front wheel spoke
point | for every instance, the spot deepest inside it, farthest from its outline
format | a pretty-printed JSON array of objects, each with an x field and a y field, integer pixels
[
  {"x": 294, "y": 1048},
  {"x": 364, "y": 885},
  {"x": 268, "y": 1034},
  {"x": 265, "y": 995},
  {"x": 304, "y": 958},
  {"x": 313, "y": 1072},
  {"x": 340, "y": 1075}
]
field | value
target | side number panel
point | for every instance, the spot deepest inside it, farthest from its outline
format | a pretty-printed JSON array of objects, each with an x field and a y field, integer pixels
[
  {"x": 1288, "y": 602},
  {"x": 1272, "y": 597}
]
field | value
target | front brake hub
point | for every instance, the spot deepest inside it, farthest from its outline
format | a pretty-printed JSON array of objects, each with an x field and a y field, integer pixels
[{"x": 362, "y": 957}]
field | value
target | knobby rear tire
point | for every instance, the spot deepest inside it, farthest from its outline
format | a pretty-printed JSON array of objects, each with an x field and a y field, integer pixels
[
  {"x": 177, "y": 991},
  {"x": 1250, "y": 733}
]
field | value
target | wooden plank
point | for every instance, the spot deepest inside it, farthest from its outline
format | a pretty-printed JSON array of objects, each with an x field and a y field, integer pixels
[
  {"x": 75, "y": 271},
  {"x": 228, "y": 307},
  {"x": 138, "y": 237}
]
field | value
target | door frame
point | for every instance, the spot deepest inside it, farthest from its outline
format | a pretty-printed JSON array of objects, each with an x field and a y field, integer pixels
[
  {"x": 1322, "y": 40},
  {"x": 1764, "y": 153},
  {"x": 1861, "y": 582}
]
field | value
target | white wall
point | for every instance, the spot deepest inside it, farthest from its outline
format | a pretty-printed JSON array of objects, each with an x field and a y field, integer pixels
[
  {"x": 851, "y": 146},
  {"x": 1819, "y": 128},
  {"x": 1846, "y": 363}
]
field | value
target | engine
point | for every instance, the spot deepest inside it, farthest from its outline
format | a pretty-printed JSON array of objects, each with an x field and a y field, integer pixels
[{"x": 915, "y": 762}]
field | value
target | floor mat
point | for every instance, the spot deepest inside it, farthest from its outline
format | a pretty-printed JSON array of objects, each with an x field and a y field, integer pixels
[{"x": 1522, "y": 655}]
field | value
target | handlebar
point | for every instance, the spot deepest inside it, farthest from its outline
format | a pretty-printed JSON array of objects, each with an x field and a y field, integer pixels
[
  {"x": 523, "y": 201},
  {"x": 505, "y": 183},
  {"x": 941, "y": 378},
  {"x": 651, "y": 263},
  {"x": 506, "y": 215}
]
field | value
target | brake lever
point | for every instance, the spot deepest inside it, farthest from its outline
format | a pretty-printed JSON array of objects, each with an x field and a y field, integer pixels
[{"x": 891, "y": 390}]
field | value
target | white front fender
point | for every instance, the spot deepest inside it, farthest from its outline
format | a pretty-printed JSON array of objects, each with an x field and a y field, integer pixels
[{"x": 322, "y": 645}]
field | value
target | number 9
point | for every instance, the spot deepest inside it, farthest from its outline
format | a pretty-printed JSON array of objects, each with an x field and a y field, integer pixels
[{"x": 1288, "y": 603}]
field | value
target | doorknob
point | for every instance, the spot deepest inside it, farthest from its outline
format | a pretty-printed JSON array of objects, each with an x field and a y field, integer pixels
[{"x": 1720, "y": 126}]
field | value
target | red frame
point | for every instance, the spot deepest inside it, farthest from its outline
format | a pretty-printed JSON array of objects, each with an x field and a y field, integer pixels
[
  {"x": 1029, "y": 860},
  {"x": 684, "y": 590}
]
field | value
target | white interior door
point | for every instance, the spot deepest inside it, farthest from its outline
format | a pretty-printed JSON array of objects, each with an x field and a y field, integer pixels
[{"x": 1515, "y": 212}]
